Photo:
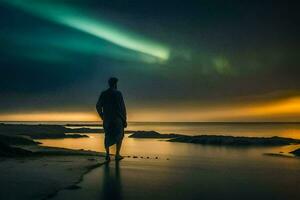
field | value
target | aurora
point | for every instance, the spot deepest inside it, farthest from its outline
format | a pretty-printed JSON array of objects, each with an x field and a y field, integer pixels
[{"x": 78, "y": 19}]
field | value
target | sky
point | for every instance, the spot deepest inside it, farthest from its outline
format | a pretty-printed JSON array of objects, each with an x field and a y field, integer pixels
[{"x": 175, "y": 60}]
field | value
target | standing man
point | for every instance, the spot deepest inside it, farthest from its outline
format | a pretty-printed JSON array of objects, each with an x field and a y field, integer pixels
[{"x": 111, "y": 108}]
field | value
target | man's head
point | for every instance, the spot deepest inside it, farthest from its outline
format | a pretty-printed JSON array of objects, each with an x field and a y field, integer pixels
[{"x": 112, "y": 82}]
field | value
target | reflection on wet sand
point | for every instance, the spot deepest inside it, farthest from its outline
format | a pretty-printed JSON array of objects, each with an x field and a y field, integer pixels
[{"x": 112, "y": 186}]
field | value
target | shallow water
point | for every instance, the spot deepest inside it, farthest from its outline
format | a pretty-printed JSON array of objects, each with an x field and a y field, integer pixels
[
  {"x": 186, "y": 171},
  {"x": 291, "y": 130},
  {"x": 196, "y": 128},
  {"x": 158, "y": 147},
  {"x": 204, "y": 178},
  {"x": 235, "y": 129},
  {"x": 191, "y": 171}
]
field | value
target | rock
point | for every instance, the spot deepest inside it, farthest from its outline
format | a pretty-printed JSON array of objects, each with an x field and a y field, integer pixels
[
  {"x": 73, "y": 187},
  {"x": 235, "y": 141},
  {"x": 17, "y": 140},
  {"x": 152, "y": 134},
  {"x": 8, "y": 151},
  {"x": 296, "y": 152},
  {"x": 43, "y": 131}
]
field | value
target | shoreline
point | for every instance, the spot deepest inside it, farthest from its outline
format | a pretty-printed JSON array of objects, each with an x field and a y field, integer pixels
[
  {"x": 43, "y": 175},
  {"x": 74, "y": 185}
]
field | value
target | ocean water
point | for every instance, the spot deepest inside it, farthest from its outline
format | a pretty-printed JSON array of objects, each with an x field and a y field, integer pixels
[
  {"x": 291, "y": 130},
  {"x": 190, "y": 171},
  {"x": 235, "y": 129},
  {"x": 159, "y": 147}
]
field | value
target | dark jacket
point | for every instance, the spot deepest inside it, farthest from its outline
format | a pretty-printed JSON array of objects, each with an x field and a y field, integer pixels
[{"x": 111, "y": 106}]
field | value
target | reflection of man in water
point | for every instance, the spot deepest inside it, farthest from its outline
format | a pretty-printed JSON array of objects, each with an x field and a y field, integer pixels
[
  {"x": 111, "y": 108},
  {"x": 112, "y": 184}
]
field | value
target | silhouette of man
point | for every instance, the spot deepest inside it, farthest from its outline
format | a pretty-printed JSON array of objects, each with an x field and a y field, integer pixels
[{"x": 112, "y": 110}]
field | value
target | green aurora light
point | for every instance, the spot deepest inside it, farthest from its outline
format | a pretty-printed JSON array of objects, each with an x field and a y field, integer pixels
[{"x": 77, "y": 19}]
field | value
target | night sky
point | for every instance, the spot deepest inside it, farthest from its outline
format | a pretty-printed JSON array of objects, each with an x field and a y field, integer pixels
[{"x": 175, "y": 60}]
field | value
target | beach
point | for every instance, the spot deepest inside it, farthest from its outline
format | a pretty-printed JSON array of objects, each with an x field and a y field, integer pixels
[
  {"x": 192, "y": 171},
  {"x": 29, "y": 171},
  {"x": 74, "y": 168},
  {"x": 203, "y": 178},
  {"x": 43, "y": 177}
]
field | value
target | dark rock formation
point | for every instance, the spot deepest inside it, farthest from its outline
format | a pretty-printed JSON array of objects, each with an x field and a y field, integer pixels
[
  {"x": 152, "y": 134},
  {"x": 218, "y": 139},
  {"x": 84, "y": 130},
  {"x": 235, "y": 141},
  {"x": 44, "y": 131},
  {"x": 8, "y": 151},
  {"x": 296, "y": 152},
  {"x": 17, "y": 140}
]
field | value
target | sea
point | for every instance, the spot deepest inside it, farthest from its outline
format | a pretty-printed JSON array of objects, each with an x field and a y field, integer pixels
[{"x": 158, "y": 169}]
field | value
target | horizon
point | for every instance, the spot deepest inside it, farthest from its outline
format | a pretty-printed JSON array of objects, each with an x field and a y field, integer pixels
[{"x": 232, "y": 122}]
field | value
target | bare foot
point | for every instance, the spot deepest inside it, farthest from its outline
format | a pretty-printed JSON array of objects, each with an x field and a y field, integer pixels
[
  {"x": 107, "y": 157},
  {"x": 119, "y": 157}
]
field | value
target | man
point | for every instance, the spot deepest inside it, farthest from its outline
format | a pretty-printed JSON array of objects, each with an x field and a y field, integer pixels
[{"x": 111, "y": 108}]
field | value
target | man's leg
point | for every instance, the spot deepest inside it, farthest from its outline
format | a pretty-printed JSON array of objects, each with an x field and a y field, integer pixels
[
  {"x": 119, "y": 145},
  {"x": 107, "y": 154},
  {"x": 107, "y": 150}
]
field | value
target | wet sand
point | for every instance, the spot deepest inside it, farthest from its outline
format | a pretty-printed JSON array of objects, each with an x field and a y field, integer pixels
[
  {"x": 205, "y": 177},
  {"x": 42, "y": 176}
]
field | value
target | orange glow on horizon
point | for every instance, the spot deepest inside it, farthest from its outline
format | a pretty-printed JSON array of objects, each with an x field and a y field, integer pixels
[
  {"x": 51, "y": 116},
  {"x": 289, "y": 106},
  {"x": 277, "y": 110}
]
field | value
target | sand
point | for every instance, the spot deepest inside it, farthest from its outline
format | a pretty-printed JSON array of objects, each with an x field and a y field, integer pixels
[{"x": 42, "y": 176}]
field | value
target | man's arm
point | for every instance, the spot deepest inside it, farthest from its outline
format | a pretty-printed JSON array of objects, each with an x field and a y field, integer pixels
[
  {"x": 123, "y": 111},
  {"x": 99, "y": 107}
]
